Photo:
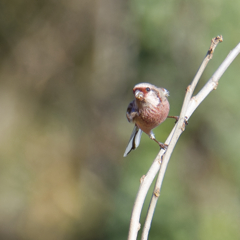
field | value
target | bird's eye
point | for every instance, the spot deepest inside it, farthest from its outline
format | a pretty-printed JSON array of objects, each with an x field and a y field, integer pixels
[{"x": 147, "y": 89}]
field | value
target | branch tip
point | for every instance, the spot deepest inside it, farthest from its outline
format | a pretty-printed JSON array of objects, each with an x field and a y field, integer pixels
[{"x": 214, "y": 43}]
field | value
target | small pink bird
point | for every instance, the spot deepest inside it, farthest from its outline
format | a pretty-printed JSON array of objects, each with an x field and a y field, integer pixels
[{"x": 148, "y": 110}]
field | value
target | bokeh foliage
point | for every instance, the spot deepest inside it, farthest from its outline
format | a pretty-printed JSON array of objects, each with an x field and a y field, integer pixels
[{"x": 66, "y": 73}]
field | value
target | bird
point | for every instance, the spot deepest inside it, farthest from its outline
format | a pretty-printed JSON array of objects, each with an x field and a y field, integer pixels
[{"x": 148, "y": 110}]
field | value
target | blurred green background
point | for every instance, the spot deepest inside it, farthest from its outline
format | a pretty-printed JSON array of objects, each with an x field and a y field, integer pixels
[{"x": 67, "y": 69}]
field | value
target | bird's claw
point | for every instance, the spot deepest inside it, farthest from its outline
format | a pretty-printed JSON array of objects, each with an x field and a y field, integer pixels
[
  {"x": 177, "y": 118},
  {"x": 163, "y": 145}
]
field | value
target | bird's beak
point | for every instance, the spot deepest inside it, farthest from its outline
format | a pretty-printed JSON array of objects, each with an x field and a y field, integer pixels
[{"x": 139, "y": 95}]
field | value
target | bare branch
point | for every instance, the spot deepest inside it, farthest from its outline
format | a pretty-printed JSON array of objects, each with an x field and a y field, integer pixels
[
  {"x": 171, "y": 141},
  {"x": 180, "y": 127},
  {"x": 212, "y": 82}
]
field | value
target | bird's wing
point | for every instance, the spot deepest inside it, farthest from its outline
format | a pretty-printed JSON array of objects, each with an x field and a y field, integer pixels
[{"x": 134, "y": 140}]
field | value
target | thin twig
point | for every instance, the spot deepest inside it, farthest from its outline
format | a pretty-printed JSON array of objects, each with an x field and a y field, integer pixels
[
  {"x": 180, "y": 127},
  {"x": 212, "y": 82},
  {"x": 147, "y": 180}
]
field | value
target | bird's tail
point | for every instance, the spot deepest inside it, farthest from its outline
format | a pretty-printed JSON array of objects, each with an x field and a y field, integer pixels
[{"x": 134, "y": 140}]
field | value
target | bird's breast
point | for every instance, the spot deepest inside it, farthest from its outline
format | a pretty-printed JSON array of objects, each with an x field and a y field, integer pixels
[{"x": 151, "y": 116}]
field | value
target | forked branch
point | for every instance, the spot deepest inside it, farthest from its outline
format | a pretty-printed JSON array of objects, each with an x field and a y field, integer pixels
[{"x": 161, "y": 161}]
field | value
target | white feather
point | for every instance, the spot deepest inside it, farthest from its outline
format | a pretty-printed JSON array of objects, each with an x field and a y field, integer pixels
[{"x": 134, "y": 140}]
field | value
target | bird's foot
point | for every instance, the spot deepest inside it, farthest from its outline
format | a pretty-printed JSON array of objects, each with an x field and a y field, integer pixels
[
  {"x": 177, "y": 118},
  {"x": 162, "y": 145}
]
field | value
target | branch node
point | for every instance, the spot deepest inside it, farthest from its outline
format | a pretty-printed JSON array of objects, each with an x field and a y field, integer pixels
[
  {"x": 216, "y": 85},
  {"x": 188, "y": 88},
  {"x": 214, "y": 43},
  {"x": 183, "y": 127},
  {"x": 139, "y": 226},
  {"x": 157, "y": 192},
  {"x": 160, "y": 160},
  {"x": 194, "y": 99},
  {"x": 142, "y": 179}
]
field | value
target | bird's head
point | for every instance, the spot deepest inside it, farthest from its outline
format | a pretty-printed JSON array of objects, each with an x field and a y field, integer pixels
[{"x": 146, "y": 93}]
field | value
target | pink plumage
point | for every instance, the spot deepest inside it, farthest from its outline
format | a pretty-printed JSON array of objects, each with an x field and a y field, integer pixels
[{"x": 148, "y": 110}]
